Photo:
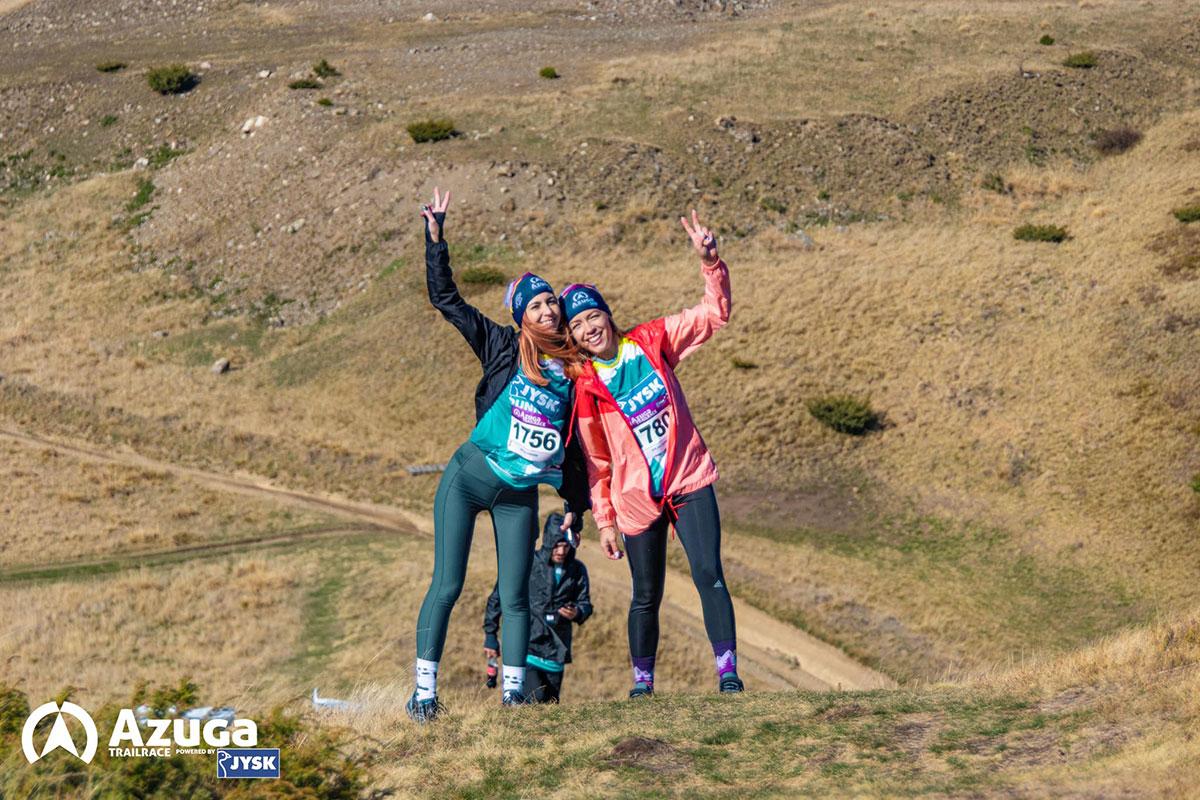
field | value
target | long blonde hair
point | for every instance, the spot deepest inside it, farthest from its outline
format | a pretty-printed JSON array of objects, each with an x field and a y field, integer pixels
[{"x": 535, "y": 342}]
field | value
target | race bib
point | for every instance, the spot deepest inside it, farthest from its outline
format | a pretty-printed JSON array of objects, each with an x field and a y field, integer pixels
[
  {"x": 648, "y": 410},
  {"x": 532, "y": 436}
]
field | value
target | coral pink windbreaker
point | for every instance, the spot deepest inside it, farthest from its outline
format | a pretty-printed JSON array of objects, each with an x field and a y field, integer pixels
[{"x": 618, "y": 474}]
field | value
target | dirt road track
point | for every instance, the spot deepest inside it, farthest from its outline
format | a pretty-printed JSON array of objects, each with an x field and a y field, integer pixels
[{"x": 771, "y": 653}]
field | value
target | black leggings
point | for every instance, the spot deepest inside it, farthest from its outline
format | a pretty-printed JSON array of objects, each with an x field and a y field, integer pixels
[
  {"x": 699, "y": 528},
  {"x": 542, "y": 686}
]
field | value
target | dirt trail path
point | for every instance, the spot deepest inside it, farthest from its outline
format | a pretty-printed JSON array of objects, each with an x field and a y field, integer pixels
[{"x": 772, "y": 653}]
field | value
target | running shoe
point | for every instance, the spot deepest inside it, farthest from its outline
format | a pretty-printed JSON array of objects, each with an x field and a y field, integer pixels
[
  {"x": 423, "y": 710},
  {"x": 514, "y": 697},
  {"x": 730, "y": 682},
  {"x": 641, "y": 689}
]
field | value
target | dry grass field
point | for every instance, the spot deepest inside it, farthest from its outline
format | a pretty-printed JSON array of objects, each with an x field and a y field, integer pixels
[{"x": 1031, "y": 488}]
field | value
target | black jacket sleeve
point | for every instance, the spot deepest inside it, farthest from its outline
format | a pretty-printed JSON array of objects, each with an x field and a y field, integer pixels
[
  {"x": 583, "y": 601},
  {"x": 485, "y": 336},
  {"x": 491, "y": 620},
  {"x": 575, "y": 489}
]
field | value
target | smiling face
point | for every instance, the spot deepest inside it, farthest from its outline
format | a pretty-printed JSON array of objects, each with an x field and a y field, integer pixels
[
  {"x": 593, "y": 332},
  {"x": 544, "y": 311}
]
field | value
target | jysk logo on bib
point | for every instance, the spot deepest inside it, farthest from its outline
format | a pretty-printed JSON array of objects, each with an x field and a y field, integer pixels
[{"x": 261, "y": 762}]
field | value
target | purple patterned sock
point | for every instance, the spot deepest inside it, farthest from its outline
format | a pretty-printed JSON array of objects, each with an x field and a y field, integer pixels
[
  {"x": 726, "y": 655},
  {"x": 643, "y": 670}
]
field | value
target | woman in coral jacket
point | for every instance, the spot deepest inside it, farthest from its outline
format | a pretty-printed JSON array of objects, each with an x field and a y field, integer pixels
[{"x": 648, "y": 467}]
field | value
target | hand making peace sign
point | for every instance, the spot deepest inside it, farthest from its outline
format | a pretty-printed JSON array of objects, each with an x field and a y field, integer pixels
[
  {"x": 440, "y": 204},
  {"x": 703, "y": 239}
]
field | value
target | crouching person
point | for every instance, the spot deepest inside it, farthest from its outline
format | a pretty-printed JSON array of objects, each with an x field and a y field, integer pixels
[{"x": 558, "y": 599}]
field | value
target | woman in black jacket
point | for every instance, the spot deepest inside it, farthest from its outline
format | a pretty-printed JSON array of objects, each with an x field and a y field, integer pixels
[{"x": 523, "y": 420}]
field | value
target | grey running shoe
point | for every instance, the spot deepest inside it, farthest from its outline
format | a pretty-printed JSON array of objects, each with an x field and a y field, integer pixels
[
  {"x": 641, "y": 689},
  {"x": 423, "y": 710},
  {"x": 730, "y": 682}
]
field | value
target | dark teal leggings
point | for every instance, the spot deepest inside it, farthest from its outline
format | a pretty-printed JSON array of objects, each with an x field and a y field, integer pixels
[{"x": 468, "y": 487}]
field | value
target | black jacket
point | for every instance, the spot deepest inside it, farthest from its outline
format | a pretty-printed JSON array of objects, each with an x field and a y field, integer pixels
[
  {"x": 496, "y": 347},
  {"x": 550, "y": 640}
]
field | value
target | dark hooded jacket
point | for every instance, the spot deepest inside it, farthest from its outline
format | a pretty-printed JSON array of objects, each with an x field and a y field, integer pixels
[
  {"x": 549, "y": 640},
  {"x": 498, "y": 350}
]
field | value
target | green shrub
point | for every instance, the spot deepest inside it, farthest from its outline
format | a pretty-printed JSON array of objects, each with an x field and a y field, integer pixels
[
  {"x": 1195, "y": 484},
  {"x": 431, "y": 130},
  {"x": 163, "y": 155},
  {"x": 305, "y": 83},
  {"x": 173, "y": 79},
  {"x": 550, "y": 73},
  {"x": 111, "y": 66},
  {"x": 108, "y": 120},
  {"x": 844, "y": 414},
  {"x": 1188, "y": 213},
  {"x": 483, "y": 276},
  {"x": 1040, "y": 233},
  {"x": 145, "y": 191},
  {"x": 1116, "y": 141},
  {"x": 14, "y": 708},
  {"x": 773, "y": 204},
  {"x": 994, "y": 182},
  {"x": 323, "y": 69},
  {"x": 823, "y": 194},
  {"x": 1046, "y": 40},
  {"x": 325, "y": 101},
  {"x": 1084, "y": 60},
  {"x": 741, "y": 363}
]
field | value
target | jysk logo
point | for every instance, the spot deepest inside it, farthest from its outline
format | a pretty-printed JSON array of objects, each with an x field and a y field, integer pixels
[
  {"x": 60, "y": 735},
  {"x": 261, "y": 762}
]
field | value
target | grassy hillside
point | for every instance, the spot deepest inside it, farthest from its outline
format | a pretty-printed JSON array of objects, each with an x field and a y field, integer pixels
[{"x": 1030, "y": 486}]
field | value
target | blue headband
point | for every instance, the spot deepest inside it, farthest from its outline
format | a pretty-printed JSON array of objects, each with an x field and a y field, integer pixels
[
  {"x": 521, "y": 291},
  {"x": 579, "y": 297}
]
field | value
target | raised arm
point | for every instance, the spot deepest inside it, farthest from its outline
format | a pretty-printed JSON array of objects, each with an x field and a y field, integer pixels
[
  {"x": 481, "y": 333},
  {"x": 693, "y": 326}
]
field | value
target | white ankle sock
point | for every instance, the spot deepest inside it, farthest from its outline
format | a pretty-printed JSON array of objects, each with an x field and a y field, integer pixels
[
  {"x": 514, "y": 677},
  {"x": 426, "y": 679}
]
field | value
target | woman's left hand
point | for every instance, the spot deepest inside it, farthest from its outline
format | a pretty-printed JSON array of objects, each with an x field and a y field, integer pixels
[{"x": 703, "y": 239}]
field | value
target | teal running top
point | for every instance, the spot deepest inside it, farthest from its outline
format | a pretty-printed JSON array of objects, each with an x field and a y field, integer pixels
[
  {"x": 643, "y": 400},
  {"x": 521, "y": 434},
  {"x": 544, "y": 664}
]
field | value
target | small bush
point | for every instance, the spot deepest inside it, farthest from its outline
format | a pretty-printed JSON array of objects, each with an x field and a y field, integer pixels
[
  {"x": 325, "y": 101},
  {"x": 1116, "y": 141},
  {"x": 844, "y": 414},
  {"x": 1046, "y": 40},
  {"x": 108, "y": 120},
  {"x": 1195, "y": 484},
  {"x": 305, "y": 83},
  {"x": 1040, "y": 233},
  {"x": 823, "y": 194},
  {"x": 1084, "y": 60},
  {"x": 549, "y": 73},
  {"x": 163, "y": 155},
  {"x": 773, "y": 204},
  {"x": 111, "y": 66},
  {"x": 484, "y": 276},
  {"x": 323, "y": 69},
  {"x": 1188, "y": 214},
  {"x": 145, "y": 191},
  {"x": 174, "y": 79},
  {"x": 741, "y": 363},
  {"x": 431, "y": 130},
  {"x": 994, "y": 182}
]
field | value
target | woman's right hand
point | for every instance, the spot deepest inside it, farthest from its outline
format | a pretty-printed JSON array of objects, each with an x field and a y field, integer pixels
[
  {"x": 440, "y": 204},
  {"x": 610, "y": 543}
]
